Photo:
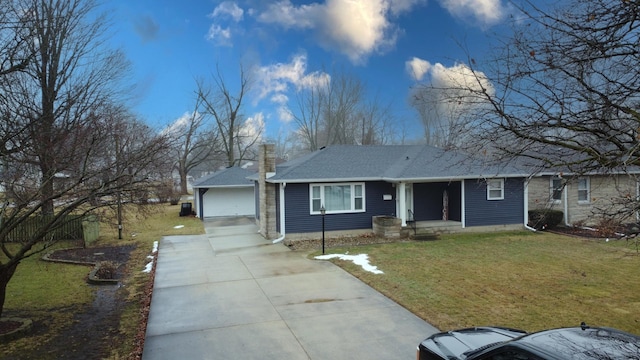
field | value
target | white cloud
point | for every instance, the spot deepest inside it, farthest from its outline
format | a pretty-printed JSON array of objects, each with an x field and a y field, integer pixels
[
  {"x": 458, "y": 76},
  {"x": 284, "y": 114},
  {"x": 279, "y": 98},
  {"x": 253, "y": 128},
  {"x": 228, "y": 8},
  {"x": 354, "y": 28},
  {"x": 179, "y": 125},
  {"x": 417, "y": 68},
  {"x": 486, "y": 12},
  {"x": 276, "y": 79},
  {"x": 221, "y": 36},
  {"x": 452, "y": 90}
]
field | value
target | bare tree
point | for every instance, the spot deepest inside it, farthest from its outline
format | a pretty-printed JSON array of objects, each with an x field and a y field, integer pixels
[
  {"x": 308, "y": 115},
  {"x": 339, "y": 112},
  {"x": 194, "y": 143},
  {"x": 448, "y": 104},
  {"x": 567, "y": 86},
  {"x": 225, "y": 106},
  {"x": 56, "y": 161}
]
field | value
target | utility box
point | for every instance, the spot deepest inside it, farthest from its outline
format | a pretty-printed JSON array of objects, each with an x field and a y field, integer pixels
[{"x": 185, "y": 209}]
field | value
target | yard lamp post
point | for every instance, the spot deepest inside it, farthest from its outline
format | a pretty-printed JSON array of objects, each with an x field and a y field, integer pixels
[{"x": 323, "y": 211}]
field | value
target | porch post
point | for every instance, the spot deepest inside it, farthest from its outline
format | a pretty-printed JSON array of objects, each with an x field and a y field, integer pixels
[{"x": 402, "y": 196}]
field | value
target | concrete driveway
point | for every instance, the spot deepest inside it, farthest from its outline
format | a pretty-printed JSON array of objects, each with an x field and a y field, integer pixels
[{"x": 230, "y": 294}]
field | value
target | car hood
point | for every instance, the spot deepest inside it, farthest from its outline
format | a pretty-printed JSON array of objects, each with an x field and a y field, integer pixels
[{"x": 453, "y": 344}]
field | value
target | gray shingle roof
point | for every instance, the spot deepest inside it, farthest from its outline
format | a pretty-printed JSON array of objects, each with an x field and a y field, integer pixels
[
  {"x": 229, "y": 177},
  {"x": 385, "y": 162}
]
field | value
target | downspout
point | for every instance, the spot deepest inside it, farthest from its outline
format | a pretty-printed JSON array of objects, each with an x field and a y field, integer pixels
[
  {"x": 526, "y": 206},
  {"x": 463, "y": 211},
  {"x": 282, "y": 217},
  {"x": 566, "y": 205}
]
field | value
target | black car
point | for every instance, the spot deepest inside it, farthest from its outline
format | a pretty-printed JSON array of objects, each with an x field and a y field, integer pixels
[{"x": 498, "y": 343}]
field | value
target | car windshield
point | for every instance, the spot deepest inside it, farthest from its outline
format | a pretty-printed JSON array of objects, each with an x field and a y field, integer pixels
[{"x": 587, "y": 344}]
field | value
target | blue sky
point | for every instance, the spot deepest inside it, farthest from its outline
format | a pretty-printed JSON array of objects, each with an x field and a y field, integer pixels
[{"x": 285, "y": 45}]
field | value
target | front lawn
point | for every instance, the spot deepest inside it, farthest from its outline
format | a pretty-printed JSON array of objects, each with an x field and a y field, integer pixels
[{"x": 525, "y": 280}]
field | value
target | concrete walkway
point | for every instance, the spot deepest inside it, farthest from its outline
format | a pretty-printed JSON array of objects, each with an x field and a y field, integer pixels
[{"x": 231, "y": 294}]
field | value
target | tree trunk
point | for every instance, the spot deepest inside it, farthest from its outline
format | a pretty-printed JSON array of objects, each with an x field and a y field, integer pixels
[
  {"x": 183, "y": 182},
  {"x": 6, "y": 273}
]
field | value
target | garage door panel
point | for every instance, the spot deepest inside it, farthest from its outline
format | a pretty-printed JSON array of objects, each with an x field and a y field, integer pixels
[{"x": 228, "y": 202}]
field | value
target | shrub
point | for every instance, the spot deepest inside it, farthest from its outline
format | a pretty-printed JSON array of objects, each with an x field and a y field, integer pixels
[
  {"x": 608, "y": 227},
  {"x": 107, "y": 270},
  {"x": 541, "y": 219}
]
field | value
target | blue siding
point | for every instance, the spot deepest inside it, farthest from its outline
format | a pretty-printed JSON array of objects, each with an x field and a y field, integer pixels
[
  {"x": 299, "y": 219},
  {"x": 427, "y": 200},
  {"x": 480, "y": 211}
]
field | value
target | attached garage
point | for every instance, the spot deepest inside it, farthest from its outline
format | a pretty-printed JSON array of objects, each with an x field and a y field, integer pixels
[
  {"x": 228, "y": 201},
  {"x": 227, "y": 192}
]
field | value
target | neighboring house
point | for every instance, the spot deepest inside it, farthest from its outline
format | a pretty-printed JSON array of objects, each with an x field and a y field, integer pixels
[
  {"x": 227, "y": 192},
  {"x": 586, "y": 198},
  {"x": 411, "y": 182}
]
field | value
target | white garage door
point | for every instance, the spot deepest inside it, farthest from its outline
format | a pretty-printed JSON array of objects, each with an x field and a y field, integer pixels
[{"x": 228, "y": 202}]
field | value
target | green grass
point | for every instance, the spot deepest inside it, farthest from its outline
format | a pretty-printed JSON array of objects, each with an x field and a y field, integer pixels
[
  {"x": 50, "y": 293},
  {"x": 524, "y": 280}
]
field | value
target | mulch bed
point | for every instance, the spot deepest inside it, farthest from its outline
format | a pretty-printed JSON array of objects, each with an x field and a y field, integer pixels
[
  {"x": 117, "y": 254},
  {"x": 623, "y": 231}
]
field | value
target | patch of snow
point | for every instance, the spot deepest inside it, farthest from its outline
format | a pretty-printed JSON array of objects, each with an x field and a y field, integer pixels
[
  {"x": 178, "y": 226},
  {"x": 149, "y": 266},
  {"x": 361, "y": 259}
]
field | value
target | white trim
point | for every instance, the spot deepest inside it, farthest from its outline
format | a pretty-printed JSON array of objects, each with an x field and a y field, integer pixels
[
  {"x": 463, "y": 215},
  {"x": 489, "y": 189},
  {"x": 353, "y": 197},
  {"x": 282, "y": 209}
]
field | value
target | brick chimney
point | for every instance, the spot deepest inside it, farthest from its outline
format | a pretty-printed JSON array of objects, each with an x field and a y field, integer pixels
[{"x": 267, "y": 191}]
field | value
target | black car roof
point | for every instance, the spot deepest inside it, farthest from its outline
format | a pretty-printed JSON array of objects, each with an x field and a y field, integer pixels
[
  {"x": 564, "y": 343},
  {"x": 585, "y": 343}
]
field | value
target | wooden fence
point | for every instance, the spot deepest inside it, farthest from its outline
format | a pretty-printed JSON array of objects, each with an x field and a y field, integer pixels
[{"x": 73, "y": 227}]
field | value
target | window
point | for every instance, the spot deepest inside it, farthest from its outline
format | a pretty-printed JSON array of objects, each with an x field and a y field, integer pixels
[
  {"x": 556, "y": 189},
  {"x": 583, "y": 189},
  {"x": 337, "y": 198},
  {"x": 495, "y": 189}
]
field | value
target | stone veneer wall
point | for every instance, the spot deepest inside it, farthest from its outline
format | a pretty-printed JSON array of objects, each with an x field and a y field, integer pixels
[{"x": 267, "y": 201}]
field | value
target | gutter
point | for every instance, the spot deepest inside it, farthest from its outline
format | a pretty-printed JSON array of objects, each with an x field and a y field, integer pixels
[{"x": 397, "y": 180}]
